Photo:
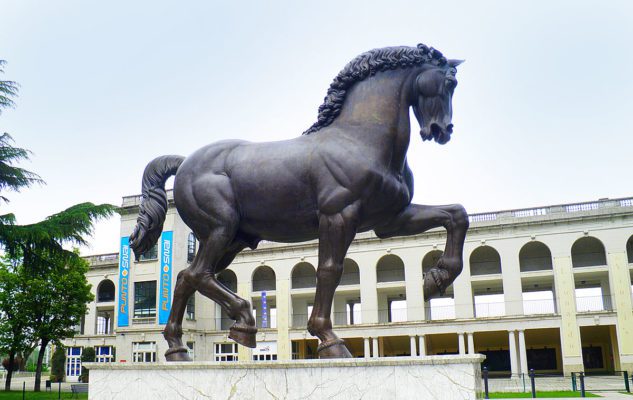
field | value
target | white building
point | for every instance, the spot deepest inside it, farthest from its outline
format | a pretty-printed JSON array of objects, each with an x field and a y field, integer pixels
[{"x": 548, "y": 288}]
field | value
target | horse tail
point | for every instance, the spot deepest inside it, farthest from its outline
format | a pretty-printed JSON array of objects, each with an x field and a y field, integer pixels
[{"x": 153, "y": 208}]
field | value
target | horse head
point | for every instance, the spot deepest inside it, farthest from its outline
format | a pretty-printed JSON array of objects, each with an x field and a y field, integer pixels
[{"x": 432, "y": 102}]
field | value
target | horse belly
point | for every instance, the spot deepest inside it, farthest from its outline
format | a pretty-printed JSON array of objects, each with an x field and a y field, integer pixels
[{"x": 275, "y": 204}]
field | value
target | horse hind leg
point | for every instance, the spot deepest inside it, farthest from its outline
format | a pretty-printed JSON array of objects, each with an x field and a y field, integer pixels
[
  {"x": 183, "y": 290},
  {"x": 243, "y": 330}
]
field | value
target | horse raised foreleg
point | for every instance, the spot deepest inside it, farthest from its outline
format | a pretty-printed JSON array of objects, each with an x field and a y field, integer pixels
[
  {"x": 416, "y": 219},
  {"x": 336, "y": 233}
]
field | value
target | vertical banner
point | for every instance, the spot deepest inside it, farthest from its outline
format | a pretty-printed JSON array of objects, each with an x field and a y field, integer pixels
[
  {"x": 264, "y": 310},
  {"x": 124, "y": 283},
  {"x": 166, "y": 241}
]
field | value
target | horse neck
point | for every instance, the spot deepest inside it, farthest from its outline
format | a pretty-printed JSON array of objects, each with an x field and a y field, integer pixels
[{"x": 376, "y": 113}]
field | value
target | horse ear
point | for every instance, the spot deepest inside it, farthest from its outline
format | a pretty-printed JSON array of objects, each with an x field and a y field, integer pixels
[{"x": 455, "y": 63}]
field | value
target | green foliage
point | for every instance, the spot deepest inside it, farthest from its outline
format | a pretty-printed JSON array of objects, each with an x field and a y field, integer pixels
[
  {"x": 8, "y": 89},
  {"x": 15, "y": 333},
  {"x": 58, "y": 363},
  {"x": 43, "y": 288},
  {"x": 12, "y": 177},
  {"x": 87, "y": 355}
]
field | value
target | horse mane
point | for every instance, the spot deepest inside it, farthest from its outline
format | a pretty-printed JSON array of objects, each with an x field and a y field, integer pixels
[{"x": 366, "y": 65}]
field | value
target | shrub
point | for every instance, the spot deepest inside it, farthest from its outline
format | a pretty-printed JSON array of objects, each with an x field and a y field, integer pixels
[
  {"x": 87, "y": 355},
  {"x": 58, "y": 364}
]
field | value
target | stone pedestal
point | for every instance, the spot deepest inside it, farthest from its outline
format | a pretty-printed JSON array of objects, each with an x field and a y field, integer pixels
[{"x": 431, "y": 377}]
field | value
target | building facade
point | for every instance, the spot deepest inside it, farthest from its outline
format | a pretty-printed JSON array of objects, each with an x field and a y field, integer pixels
[{"x": 548, "y": 288}]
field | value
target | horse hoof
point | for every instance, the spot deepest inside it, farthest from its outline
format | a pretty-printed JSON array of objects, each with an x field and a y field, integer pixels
[
  {"x": 177, "y": 354},
  {"x": 432, "y": 288},
  {"x": 333, "y": 349},
  {"x": 244, "y": 335}
]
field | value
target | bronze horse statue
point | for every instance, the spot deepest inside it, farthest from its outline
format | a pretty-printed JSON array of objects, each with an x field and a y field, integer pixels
[{"x": 347, "y": 173}]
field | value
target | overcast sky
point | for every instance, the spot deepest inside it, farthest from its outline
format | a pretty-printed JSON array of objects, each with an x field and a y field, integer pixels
[{"x": 543, "y": 112}]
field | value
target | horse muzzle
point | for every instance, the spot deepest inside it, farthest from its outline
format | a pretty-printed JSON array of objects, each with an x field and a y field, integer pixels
[{"x": 434, "y": 131}]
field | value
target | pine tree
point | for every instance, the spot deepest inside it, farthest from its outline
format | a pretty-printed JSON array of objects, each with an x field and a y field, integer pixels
[{"x": 44, "y": 285}]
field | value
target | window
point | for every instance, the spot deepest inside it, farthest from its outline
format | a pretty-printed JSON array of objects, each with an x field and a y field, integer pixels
[
  {"x": 144, "y": 352},
  {"x": 226, "y": 352},
  {"x": 145, "y": 299},
  {"x": 191, "y": 350},
  {"x": 104, "y": 354},
  {"x": 150, "y": 254},
  {"x": 397, "y": 310},
  {"x": 105, "y": 291},
  {"x": 73, "y": 361},
  {"x": 191, "y": 247},
  {"x": 354, "y": 313},
  {"x": 265, "y": 351},
  {"x": 104, "y": 322},
  {"x": 191, "y": 307}
]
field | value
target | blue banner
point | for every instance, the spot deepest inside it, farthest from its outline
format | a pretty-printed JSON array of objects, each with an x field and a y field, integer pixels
[
  {"x": 124, "y": 283},
  {"x": 264, "y": 310},
  {"x": 166, "y": 250}
]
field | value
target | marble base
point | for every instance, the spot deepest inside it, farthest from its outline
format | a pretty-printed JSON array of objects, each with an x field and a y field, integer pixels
[{"x": 432, "y": 377}]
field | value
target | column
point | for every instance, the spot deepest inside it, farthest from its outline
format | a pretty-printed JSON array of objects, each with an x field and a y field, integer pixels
[
  {"x": 375, "y": 347},
  {"x": 620, "y": 283},
  {"x": 522, "y": 352},
  {"x": 463, "y": 290},
  {"x": 471, "y": 343},
  {"x": 422, "y": 345},
  {"x": 461, "y": 344},
  {"x": 244, "y": 354},
  {"x": 367, "y": 352},
  {"x": 414, "y": 352},
  {"x": 413, "y": 285},
  {"x": 512, "y": 345},
  {"x": 284, "y": 348},
  {"x": 368, "y": 293},
  {"x": 511, "y": 273},
  {"x": 566, "y": 304}
]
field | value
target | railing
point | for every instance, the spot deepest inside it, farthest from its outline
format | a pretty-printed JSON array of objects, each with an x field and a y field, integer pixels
[
  {"x": 299, "y": 320},
  {"x": 483, "y": 217},
  {"x": 539, "y": 307},
  {"x": 553, "y": 209},
  {"x": 143, "y": 320},
  {"x": 103, "y": 259},
  {"x": 484, "y": 310},
  {"x": 440, "y": 313},
  {"x": 530, "y": 212},
  {"x": 593, "y": 303}
]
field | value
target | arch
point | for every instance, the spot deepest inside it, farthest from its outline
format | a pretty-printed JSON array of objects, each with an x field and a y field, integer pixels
[
  {"x": 588, "y": 252},
  {"x": 390, "y": 268},
  {"x": 303, "y": 276},
  {"x": 430, "y": 260},
  {"x": 228, "y": 279},
  {"x": 485, "y": 260},
  {"x": 351, "y": 273},
  {"x": 535, "y": 256},
  {"x": 629, "y": 249},
  {"x": 105, "y": 291},
  {"x": 264, "y": 279}
]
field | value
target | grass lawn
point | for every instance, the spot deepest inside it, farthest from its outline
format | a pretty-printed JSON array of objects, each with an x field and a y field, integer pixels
[
  {"x": 39, "y": 396},
  {"x": 508, "y": 395}
]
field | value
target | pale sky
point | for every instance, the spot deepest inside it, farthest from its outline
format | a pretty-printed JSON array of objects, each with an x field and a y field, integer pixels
[{"x": 543, "y": 112}]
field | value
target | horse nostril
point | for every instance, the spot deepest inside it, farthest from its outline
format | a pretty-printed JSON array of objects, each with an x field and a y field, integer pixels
[{"x": 449, "y": 128}]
